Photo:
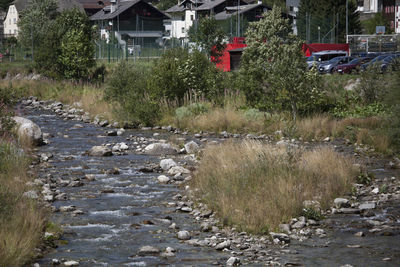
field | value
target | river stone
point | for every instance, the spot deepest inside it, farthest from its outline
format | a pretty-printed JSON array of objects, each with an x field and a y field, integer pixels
[
  {"x": 71, "y": 263},
  {"x": 367, "y": 206},
  {"x": 167, "y": 164},
  {"x": 163, "y": 179},
  {"x": 160, "y": 149},
  {"x": 100, "y": 151},
  {"x": 191, "y": 147},
  {"x": 183, "y": 235},
  {"x": 222, "y": 245},
  {"x": 31, "y": 194},
  {"x": 282, "y": 237},
  {"x": 232, "y": 261},
  {"x": 285, "y": 228},
  {"x": 29, "y": 131},
  {"x": 120, "y": 131},
  {"x": 341, "y": 203},
  {"x": 177, "y": 169},
  {"x": 148, "y": 250},
  {"x": 67, "y": 208}
]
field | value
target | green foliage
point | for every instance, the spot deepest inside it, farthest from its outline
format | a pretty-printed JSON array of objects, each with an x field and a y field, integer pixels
[
  {"x": 7, "y": 99},
  {"x": 36, "y": 21},
  {"x": 63, "y": 45},
  {"x": 365, "y": 178},
  {"x": 4, "y": 4},
  {"x": 312, "y": 214},
  {"x": 76, "y": 44},
  {"x": 392, "y": 99},
  {"x": 191, "y": 110},
  {"x": 274, "y": 74},
  {"x": 377, "y": 20},
  {"x": 373, "y": 85},
  {"x": 179, "y": 72},
  {"x": 360, "y": 111},
  {"x": 128, "y": 86},
  {"x": 254, "y": 114},
  {"x": 165, "y": 4},
  {"x": 209, "y": 36}
]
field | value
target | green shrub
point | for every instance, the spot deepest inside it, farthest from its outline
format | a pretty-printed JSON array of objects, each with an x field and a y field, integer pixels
[
  {"x": 191, "y": 110},
  {"x": 254, "y": 114}
]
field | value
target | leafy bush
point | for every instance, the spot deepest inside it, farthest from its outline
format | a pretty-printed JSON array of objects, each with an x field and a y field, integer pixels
[
  {"x": 7, "y": 98},
  {"x": 359, "y": 111},
  {"x": 191, "y": 110}
]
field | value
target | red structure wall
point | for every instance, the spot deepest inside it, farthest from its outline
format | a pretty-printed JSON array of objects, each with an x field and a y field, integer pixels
[{"x": 239, "y": 42}]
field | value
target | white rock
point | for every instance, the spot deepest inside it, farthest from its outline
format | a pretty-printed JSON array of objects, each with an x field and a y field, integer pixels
[
  {"x": 148, "y": 250},
  {"x": 178, "y": 169},
  {"x": 71, "y": 263},
  {"x": 31, "y": 194},
  {"x": 183, "y": 235},
  {"x": 341, "y": 203},
  {"x": 100, "y": 151},
  {"x": 163, "y": 179},
  {"x": 191, "y": 147},
  {"x": 160, "y": 149},
  {"x": 375, "y": 190},
  {"x": 120, "y": 131},
  {"x": 28, "y": 131},
  {"x": 167, "y": 164},
  {"x": 232, "y": 261},
  {"x": 222, "y": 245}
]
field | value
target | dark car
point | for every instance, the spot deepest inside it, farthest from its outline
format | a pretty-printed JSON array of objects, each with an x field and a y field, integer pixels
[
  {"x": 390, "y": 62},
  {"x": 331, "y": 64},
  {"x": 352, "y": 65},
  {"x": 376, "y": 60}
]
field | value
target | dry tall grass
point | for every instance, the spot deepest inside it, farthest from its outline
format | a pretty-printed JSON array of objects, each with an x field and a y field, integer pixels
[
  {"x": 22, "y": 221},
  {"x": 256, "y": 186}
]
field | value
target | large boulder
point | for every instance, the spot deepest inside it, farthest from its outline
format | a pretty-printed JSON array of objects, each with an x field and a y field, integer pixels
[
  {"x": 160, "y": 149},
  {"x": 100, "y": 151},
  {"x": 167, "y": 164},
  {"x": 28, "y": 131}
]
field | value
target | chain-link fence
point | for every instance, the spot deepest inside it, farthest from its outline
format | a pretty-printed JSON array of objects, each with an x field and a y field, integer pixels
[{"x": 374, "y": 43}]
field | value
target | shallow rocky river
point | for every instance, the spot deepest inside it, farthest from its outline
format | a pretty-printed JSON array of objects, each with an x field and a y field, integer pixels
[{"x": 112, "y": 207}]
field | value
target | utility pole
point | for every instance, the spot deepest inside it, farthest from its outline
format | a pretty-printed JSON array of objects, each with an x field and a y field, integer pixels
[{"x": 347, "y": 20}]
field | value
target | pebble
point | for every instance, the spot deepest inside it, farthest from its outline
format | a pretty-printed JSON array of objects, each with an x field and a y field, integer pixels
[
  {"x": 183, "y": 235},
  {"x": 223, "y": 245},
  {"x": 148, "y": 250},
  {"x": 163, "y": 179},
  {"x": 71, "y": 263},
  {"x": 232, "y": 261}
]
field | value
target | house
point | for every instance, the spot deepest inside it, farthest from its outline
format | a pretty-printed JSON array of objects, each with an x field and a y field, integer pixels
[
  {"x": 16, "y": 7},
  {"x": 228, "y": 12},
  {"x": 131, "y": 23}
]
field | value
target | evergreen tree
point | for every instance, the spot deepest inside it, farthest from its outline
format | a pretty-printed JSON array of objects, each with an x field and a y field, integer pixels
[{"x": 325, "y": 14}]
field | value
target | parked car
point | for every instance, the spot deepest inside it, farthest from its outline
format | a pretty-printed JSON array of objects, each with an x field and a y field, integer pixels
[
  {"x": 319, "y": 57},
  {"x": 353, "y": 65},
  {"x": 390, "y": 62},
  {"x": 329, "y": 66},
  {"x": 376, "y": 60}
]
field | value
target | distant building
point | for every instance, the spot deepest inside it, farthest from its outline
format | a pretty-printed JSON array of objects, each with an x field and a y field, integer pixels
[
  {"x": 15, "y": 9},
  {"x": 131, "y": 23},
  {"x": 293, "y": 9},
  {"x": 391, "y": 11}
]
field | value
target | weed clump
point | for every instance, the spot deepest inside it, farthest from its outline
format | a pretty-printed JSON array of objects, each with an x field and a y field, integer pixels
[{"x": 256, "y": 186}]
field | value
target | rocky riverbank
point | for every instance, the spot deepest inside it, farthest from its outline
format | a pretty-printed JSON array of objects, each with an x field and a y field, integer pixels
[{"x": 370, "y": 213}]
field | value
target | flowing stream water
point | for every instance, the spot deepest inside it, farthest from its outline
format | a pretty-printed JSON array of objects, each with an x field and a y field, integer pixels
[{"x": 123, "y": 212}]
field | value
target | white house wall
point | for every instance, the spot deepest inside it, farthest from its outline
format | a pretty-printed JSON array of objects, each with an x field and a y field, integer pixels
[
  {"x": 11, "y": 22},
  {"x": 179, "y": 28}
]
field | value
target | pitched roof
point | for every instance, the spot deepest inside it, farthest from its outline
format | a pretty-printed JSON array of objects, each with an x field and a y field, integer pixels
[
  {"x": 233, "y": 10},
  {"x": 93, "y": 4},
  {"x": 62, "y": 5},
  {"x": 180, "y": 7},
  {"x": 122, "y": 7}
]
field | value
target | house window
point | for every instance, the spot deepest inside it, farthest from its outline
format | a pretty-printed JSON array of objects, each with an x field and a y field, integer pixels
[
  {"x": 183, "y": 30},
  {"x": 291, "y": 8},
  {"x": 191, "y": 17},
  {"x": 183, "y": 17},
  {"x": 15, "y": 21},
  {"x": 15, "y": 31}
]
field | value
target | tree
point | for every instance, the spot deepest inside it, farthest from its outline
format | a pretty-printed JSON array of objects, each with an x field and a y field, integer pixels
[
  {"x": 209, "y": 36},
  {"x": 36, "y": 21},
  {"x": 377, "y": 20},
  {"x": 273, "y": 70},
  {"x": 324, "y": 14},
  {"x": 76, "y": 55}
]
